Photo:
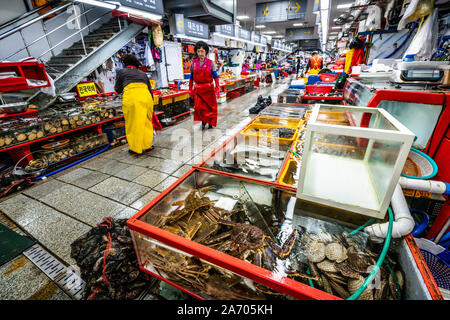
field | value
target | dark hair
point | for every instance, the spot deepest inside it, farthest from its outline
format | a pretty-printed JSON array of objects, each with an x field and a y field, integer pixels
[
  {"x": 130, "y": 60},
  {"x": 314, "y": 53},
  {"x": 201, "y": 44}
]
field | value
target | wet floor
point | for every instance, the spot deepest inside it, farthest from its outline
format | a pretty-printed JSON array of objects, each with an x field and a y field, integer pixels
[{"x": 65, "y": 206}]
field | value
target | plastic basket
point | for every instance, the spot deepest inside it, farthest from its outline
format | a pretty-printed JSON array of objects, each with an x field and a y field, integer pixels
[
  {"x": 439, "y": 270},
  {"x": 328, "y": 77},
  {"x": 313, "y": 79},
  {"x": 428, "y": 168}
]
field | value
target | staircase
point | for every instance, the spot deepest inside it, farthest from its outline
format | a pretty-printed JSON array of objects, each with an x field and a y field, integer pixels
[
  {"x": 72, "y": 65},
  {"x": 62, "y": 62}
]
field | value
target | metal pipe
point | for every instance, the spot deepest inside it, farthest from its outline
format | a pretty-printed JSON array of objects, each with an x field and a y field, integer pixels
[
  {"x": 72, "y": 35},
  {"x": 29, "y": 23},
  {"x": 46, "y": 34},
  {"x": 27, "y": 14}
]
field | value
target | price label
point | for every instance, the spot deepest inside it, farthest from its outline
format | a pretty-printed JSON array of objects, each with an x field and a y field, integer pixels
[
  {"x": 86, "y": 89},
  {"x": 91, "y": 107}
]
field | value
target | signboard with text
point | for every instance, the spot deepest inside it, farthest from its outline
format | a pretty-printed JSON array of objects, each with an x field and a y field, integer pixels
[
  {"x": 300, "y": 33},
  {"x": 280, "y": 11},
  {"x": 226, "y": 30}
]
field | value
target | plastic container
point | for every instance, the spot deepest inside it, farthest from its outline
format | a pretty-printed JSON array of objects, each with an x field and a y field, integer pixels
[
  {"x": 361, "y": 182},
  {"x": 172, "y": 247},
  {"x": 328, "y": 77}
]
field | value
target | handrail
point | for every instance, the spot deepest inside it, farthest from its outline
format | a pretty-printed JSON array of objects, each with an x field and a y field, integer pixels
[
  {"x": 48, "y": 33},
  {"x": 29, "y": 13},
  {"x": 79, "y": 31},
  {"x": 29, "y": 23}
]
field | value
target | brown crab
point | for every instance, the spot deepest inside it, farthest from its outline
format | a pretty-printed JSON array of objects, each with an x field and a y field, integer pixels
[{"x": 246, "y": 241}]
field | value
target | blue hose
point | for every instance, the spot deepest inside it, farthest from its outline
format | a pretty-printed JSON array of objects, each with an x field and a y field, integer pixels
[
  {"x": 379, "y": 262},
  {"x": 71, "y": 164},
  {"x": 419, "y": 228}
]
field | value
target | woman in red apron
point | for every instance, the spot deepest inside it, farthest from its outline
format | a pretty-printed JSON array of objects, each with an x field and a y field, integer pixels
[{"x": 203, "y": 72}]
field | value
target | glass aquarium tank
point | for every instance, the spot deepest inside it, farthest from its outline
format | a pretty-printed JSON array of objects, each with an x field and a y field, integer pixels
[
  {"x": 219, "y": 237},
  {"x": 353, "y": 167}
]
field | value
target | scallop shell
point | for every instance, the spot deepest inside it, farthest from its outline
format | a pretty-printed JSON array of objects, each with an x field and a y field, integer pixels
[
  {"x": 315, "y": 251},
  {"x": 335, "y": 252},
  {"x": 353, "y": 286},
  {"x": 344, "y": 294},
  {"x": 327, "y": 266},
  {"x": 346, "y": 270}
]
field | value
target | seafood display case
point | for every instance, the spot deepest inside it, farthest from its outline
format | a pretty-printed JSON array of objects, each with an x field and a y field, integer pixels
[
  {"x": 353, "y": 168},
  {"x": 419, "y": 108},
  {"x": 259, "y": 150},
  {"x": 219, "y": 237}
]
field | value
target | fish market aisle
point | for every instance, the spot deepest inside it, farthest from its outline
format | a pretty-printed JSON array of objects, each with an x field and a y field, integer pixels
[{"x": 65, "y": 206}]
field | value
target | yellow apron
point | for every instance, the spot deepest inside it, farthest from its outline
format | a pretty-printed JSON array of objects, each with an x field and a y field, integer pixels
[
  {"x": 348, "y": 60},
  {"x": 137, "y": 106}
]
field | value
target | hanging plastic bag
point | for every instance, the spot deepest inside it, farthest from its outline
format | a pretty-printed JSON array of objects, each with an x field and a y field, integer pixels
[
  {"x": 157, "y": 35},
  {"x": 50, "y": 90},
  {"x": 373, "y": 21},
  {"x": 425, "y": 42},
  {"x": 416, "y": 10}
]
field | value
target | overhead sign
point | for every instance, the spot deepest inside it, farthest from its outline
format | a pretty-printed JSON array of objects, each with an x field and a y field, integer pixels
[
  {"x": 153, "y": 6},
  {"x": 196, "y": 29},
  {"x": 263, "y": 40},
  {"x": 280, "y": 11},
  {"x": 300, "y": 33},
  {"x": 226, "y": 29},
  {"x": 256, "y": 37},
  {"x": 184, "y": 26},
  {"x": 244, "y": 34}
]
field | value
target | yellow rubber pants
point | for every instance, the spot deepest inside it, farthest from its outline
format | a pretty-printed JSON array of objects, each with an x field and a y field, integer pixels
[{"x": 137, "y": 106}]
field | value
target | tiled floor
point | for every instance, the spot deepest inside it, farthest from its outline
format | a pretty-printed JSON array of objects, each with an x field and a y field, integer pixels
[{"x": 64, "y": 207}]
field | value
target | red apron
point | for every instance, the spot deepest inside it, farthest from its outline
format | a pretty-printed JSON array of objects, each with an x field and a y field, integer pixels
[{"x": 205, "y": 102}]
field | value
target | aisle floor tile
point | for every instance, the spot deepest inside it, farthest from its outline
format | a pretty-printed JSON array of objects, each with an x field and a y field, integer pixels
[
  {"x": 165, "y": 184},
  {"x": 43, "y": 188},
  {"x": 131, "y": 172},
  {"x": 20, "y": 279},
  {"x": 84, "y": 206},
  {"x": 181, "y": 171},
  {"x": 122, "y": 191},
  {"x": 168, "y": 166},
  {"x": 142, "y": 202},
  {"x": 151, "y": 178},
  {"x": 83, "y": 178},
  {"x": 149, "y": 162}
]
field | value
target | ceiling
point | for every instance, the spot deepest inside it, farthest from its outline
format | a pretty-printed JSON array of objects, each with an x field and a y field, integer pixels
[{"x": 248, "y": 8}]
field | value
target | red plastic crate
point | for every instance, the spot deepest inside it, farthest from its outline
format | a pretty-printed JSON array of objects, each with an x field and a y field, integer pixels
[
  {"x": 24, "y": 70},
  {"x": 317, "y": 89}
]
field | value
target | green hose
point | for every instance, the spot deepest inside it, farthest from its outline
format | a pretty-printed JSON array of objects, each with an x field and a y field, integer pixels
[
  {"x": 362, "y": 227},
  {"x": 295, "y": 153},
  {"x": 379, "y": 262},
  {"x": 311, "y": 284}
]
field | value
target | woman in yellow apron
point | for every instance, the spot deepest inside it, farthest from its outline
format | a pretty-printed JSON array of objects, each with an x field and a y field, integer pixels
[{"x": 137, "y": 105}]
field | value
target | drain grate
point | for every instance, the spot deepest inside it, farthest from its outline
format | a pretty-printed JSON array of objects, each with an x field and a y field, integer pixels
[{"x": 66, "y": 277}]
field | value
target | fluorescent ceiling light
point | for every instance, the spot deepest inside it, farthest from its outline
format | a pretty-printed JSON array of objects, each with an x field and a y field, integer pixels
[
  {"x": 118, "y": 7},
  {"x": 339, "y": 27},
  {"x": 298, "y": 24},
  {"x": 99, "y": 4},
  {"x": 260, "y": 26},
  {"x": 242, "y": 17},
  {"x": 269, "y": 32},
  {"x": 344, "y": 6},
  {"x": 141, "y": 13}
]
